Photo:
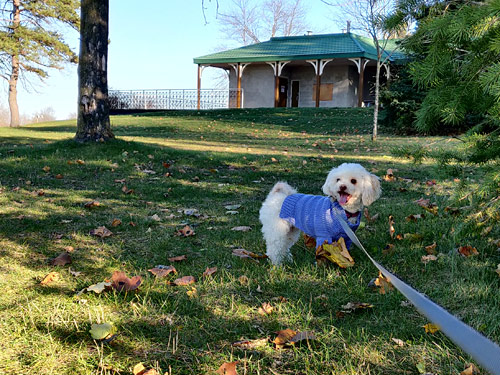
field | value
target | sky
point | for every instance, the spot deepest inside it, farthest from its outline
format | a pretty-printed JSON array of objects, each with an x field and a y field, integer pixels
[{"x": 152, "y": 46}]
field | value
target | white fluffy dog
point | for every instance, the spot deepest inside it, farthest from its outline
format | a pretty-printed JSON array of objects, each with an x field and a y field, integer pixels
[{"x": 285, "y": 213}]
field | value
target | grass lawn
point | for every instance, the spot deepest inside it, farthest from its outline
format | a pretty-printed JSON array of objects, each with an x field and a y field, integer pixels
[{"x": 168, "y": 170}]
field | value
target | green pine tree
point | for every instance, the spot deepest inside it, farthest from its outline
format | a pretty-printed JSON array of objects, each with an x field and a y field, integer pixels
[{"x": 31, "y": 41}]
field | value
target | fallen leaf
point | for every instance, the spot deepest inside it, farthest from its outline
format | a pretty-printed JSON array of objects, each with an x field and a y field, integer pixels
[
  {"x": 101, "y": 232},
  {"x": 381, "y": 283},
  {"x": 391, "y": 226},
  {"x": 431, "y": 328},
  {"x": 369, "y": 218},
  {"x": 471, "y": 370},
  {"x": 228, "y": 368},
  {"x": 50, "y": 278},
  {"x": 431, "y": 249},
  {"x": 178, "y": 258},
  {"x": 467, "y": 251},
  {"x": 309, "y": 242},
  {"x": 302, "y": 336},
  {"x": 335, "y": 252},
  {"x": 92, "y": 204},
  {"x": 46, "y": 169},
  {"x": 102, "y": 331},
  {"x": 351, "y": 307},
  {"x": 79, "y": 161},
  {"x": 162, "y": 271},
  {"x": 187, "y": 231},
  {"x": 415, "y": 218},
  {"x": 430, "y": 182},
  {"x": 428, "y": 258},
  {"x": 283, "y": 337},
  {"x": 99, "y": 287},
  {"x": 427, "y": 205},
  {"x": 186, "y": 280},
  {"x": 398, "y": 342},
  {"x": 265, "y": 309},
  {"x": 241, "y": 229},
  {"x": 251, "y": 344},
  {"x": 242, "y": 253},
  {"x": 59, "y": 176},
  {"x": 61, "y": 260},
  {"x": 209, "y": 271},
  {"x": 389, "y": 248},
  {"x": 74, "y": 273},
  {"x": 120, "y": 282},
  {"x": 126, "y": 190},
  {"x": 243, "y": 280},
  {"x": 155, "y": 217},
  {"x": 120, "y": 181},
  {"x": 389, "y": 177},
  {"x": 116, "y": 222}
]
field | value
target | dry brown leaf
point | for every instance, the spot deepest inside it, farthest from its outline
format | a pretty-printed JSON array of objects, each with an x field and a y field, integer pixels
[
  {"x": 228, "y": 368},
  {"x": 50, "y": 278},
  {"x": 415, "y": 218},
  {"x": 369, "y": 218},
  {"x": 391, "y": 226},
  {"x": 382, "y": 284},
  {"x": 309, "y": 241},
  {"x": 428, "y": 258},
  {"x": 61, "y": 260},
  {"x": 186, "y": 280},
  {"x": 427, "y": 205},
  {"x": 92, "y": 204},
  {"x": 431, "y": 249},
  {"x": 303, "y": 336},
  {"x": 162, "y": 271},
  {"x": 126, "y": 190},
  {"x": 46, "y": 169},
  {"x": 242, "y": 253},
  {"x": 209, "y": 271},
  {"x": 101, "y": 232},
  {"x": 471, "y": 370},
  {"x": 187, "y": 231},
  {"x": 178, "y": 258},
  {"x": 398, "y": 342},
  {"x": 284, "y": 337},
  {"x": 120, "y": 282},
  {"x": 351, "y": 307},
  {"x": 139, "y": 369},
  {"x": 243, "y": 280},
  {"x": 251, "y": 344},
  {"x": 389, "y": 248},
  {"x": 59, "y": 176},
  {"x": 116, "y": 222},
  {"x": 467, "y": 251},
  {"x": 430, "y": 182},
  {"x": 265, "y": 309}
]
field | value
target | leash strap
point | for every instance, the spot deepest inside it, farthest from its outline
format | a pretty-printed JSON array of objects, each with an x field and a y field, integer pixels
[{"x": 483, "y": 350}]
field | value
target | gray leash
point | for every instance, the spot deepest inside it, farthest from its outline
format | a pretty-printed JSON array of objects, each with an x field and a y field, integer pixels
[{"x": 483, "y": 350}]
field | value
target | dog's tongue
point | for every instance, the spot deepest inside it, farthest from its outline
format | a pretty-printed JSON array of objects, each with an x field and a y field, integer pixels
[{"x": 343, "y": 199}]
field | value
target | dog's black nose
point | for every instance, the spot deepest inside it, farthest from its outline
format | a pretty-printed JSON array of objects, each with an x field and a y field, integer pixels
[{"x": 342, "y": 188}]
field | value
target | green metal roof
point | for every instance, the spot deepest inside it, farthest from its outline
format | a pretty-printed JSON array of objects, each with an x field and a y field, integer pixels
[{"x": 307, "y": 47}]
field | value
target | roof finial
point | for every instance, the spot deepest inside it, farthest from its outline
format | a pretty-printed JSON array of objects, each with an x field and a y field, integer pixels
[{"x": 348, "y": 29}]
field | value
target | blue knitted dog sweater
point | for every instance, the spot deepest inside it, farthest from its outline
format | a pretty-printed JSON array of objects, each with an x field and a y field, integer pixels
[{"x": 313, "y": 215}]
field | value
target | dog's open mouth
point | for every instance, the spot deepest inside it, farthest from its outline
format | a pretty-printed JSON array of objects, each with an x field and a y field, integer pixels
[{"x": 344, "y": 197}]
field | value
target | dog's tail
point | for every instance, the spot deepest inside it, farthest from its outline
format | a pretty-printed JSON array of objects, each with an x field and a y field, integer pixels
[{"x": 284, "y": 188}]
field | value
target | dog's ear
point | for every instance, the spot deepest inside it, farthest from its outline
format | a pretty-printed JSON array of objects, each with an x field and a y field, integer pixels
[
  {"x": 371, "y": 189},
  {"x": 327, "y": 187}
]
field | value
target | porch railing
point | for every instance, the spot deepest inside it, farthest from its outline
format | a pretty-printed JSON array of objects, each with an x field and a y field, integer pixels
[{"x": 172, "y": 99}]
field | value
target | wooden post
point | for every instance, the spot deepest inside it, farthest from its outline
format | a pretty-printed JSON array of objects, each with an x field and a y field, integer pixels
[
  {"x": 318, "y": 83},
  {"x": 238, "y": 93},
  {"x": 199, "y": 87},
  {"x": 361, "y": 82},
  {"x": 276, "y": 88}
]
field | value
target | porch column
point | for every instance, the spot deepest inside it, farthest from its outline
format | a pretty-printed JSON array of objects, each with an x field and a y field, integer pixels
[
  {"x": 318, "y": 65},
  {"x": 361, "y": 82},
  {"x": 199, "y": 88},
  {"x": 238, "y": 86},
  {"x": 277, "y": 68},
  {"x": 360, "y": 64}
]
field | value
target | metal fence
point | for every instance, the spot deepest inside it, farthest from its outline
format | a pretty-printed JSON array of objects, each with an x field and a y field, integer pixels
[{"x": 171, "y": 99}]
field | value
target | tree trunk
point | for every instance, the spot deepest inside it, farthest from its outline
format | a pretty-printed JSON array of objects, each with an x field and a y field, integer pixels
[
  {"x": 13, "y": 106},
  {"x": 14, "y": 76},
  {"x": 93, "y": 105},
  {"x": 377, "y": 93}
]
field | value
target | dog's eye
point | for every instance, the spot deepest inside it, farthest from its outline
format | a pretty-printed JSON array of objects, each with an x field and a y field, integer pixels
[
  {"x": 338, "y": 179},
  {"x": 353, "y": 181}
]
